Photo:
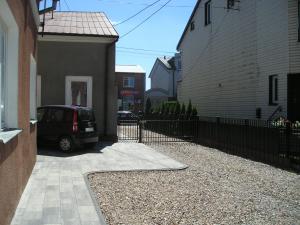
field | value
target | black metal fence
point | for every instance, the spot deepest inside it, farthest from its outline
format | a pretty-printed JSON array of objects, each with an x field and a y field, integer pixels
[
  {"x": 129, "y": 130},
  {"x": 254, "y": 139}
]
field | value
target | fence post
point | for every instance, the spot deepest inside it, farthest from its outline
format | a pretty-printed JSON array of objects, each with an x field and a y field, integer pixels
[
  {"x": 287, "y": 139},
  {"x": 140, "y": 126}
]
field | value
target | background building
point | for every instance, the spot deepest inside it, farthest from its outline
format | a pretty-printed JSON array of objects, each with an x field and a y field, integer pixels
[
  {"x": 165, "y": 75},
  {"x": 77, "y": 65},
  {"x": 242, "y": 61},
  {"x": 131, "y": 87}
]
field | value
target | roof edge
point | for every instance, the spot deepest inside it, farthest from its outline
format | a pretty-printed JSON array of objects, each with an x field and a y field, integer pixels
[{"x": 187, "y": 25}]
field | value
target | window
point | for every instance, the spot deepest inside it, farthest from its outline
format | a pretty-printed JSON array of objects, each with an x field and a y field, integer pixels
[
  {"x": 230, "y": 4},
  {"x": 207, "y": 13},
  {"x": 192, "y": 25},
  {"x": 9, "y": 58},
  {"x": 2, "y": 75},
  {"x": 128, "y": 82},
  {"x": 273, "y": 90},
  {"x": 299, "y": 20},
  {"x": 32, "y": 88}
]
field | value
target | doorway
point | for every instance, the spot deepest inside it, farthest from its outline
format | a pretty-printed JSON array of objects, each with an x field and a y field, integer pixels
[
  {"x": 294, "y": 97},
  {"x": 79, "y": 90}
]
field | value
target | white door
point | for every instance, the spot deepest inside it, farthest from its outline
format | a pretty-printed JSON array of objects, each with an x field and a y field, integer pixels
[
  {"x": 79, "y": 90},
  {"x": 38, "y": 90}
]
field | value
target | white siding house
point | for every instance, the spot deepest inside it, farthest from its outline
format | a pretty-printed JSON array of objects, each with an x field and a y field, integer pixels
[
  {"x": 165, "y": 74},
  {"x": 236, "y": 61}
]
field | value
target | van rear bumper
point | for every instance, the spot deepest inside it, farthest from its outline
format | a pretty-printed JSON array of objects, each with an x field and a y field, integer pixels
[{"x": 86, "y": 140}]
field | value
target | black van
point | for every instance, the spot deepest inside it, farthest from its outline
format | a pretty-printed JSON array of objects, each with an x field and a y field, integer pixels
[{"x": 69, "y": 126}]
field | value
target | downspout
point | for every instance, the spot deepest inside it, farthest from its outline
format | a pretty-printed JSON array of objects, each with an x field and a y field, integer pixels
[{"x": 106, "y": 85}]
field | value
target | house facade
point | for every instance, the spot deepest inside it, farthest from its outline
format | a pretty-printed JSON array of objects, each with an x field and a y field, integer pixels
[
  {"x": 165, "y": 75},
  {"x": 76, "y": 53},
  {"x": 242, "y": 59},
  {"x": 19, "y": 21},
  {"x": 131, "y": 87}
]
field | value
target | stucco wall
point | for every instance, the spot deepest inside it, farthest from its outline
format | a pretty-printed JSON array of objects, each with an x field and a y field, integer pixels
[
  {"x": 60, "y": 59},
  {"x": 17, "y": 157}
]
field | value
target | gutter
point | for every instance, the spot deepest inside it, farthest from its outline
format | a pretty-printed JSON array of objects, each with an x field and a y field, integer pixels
[
  {"x": 35, "y": 12},
  {"x": 105, "y": 84}
]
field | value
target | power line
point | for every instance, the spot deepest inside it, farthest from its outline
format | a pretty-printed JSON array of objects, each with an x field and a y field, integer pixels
[
  {"x": 134, "y": 3},
  {"x": 146, "y": 50},
  {"x": 140, "y": 53},
  {"x": 139, "y": 12},
  {"x": 66, "y": 3},
  {"x": 145, "y": 19},
  {"x": 206, "y": 46}
]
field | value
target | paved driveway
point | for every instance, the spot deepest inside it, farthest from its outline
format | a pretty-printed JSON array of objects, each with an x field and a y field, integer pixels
[{"x": 57, "y": 192}]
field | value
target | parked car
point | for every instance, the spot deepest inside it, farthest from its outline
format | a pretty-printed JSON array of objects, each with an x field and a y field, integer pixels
[
  {"x": 126, "y": 117},
  {"x": 68, "y": 126}
]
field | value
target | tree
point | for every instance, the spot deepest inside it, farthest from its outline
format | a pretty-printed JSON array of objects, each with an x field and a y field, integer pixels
[
  {"x": 189, "y": 109},
  {"x": 182, "y": 109},
  {"x": 148, "y": 106},
  {"x": 177, "y": 109},
  {"x": 194, "y": 112}
]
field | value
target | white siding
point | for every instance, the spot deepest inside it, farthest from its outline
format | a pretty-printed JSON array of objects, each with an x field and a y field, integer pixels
[
  {"x": 294, "y": 44},
  {"x": 226, "y": 65},
  {"x": 161, "y": 78}
]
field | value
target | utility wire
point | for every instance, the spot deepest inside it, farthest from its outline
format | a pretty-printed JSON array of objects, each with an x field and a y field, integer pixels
[
  {"x": 206, "y": 46},
  {"x": 146, "y": 50},
  {"x": 140, "y": 53},
  {"x": 66, "y": 3},
  {"x": 139, "y": 12},
  {"x": 145, "y": 19}
]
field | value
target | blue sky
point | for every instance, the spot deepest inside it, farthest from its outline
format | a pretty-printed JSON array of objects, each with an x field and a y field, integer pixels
[{"x": 161, "y": 32}]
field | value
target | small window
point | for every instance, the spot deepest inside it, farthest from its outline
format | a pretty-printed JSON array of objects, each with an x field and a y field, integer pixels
[
  {"x": 273, "y": 90},
  {"x": 192, "y": 25},
  {"x": 230, "y": 4},
  {"x": 207, "y": 13},
  {"x": 299, "y": 20},
  {"x": 128, "y": 82}
]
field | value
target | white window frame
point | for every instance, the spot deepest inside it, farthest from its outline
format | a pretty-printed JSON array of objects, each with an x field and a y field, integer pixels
[
  {"x": 68, "y": 93},
  {"x": 11, "y": 29},
  {"x": 33, "y": 89},
  {"x": 130, "y": 82}
]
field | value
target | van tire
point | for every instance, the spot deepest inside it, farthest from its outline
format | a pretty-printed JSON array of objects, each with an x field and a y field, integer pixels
[{"x": 66, "y": 144}]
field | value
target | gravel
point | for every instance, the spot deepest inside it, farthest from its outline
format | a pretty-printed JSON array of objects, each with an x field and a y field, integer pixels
[{"x": 217, "y": 188}]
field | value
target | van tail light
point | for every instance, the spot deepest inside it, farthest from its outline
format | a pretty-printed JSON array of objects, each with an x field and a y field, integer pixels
[{"x": 75, "y": 121}]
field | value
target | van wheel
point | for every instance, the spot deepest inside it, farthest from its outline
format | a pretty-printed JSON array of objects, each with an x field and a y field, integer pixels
[{"x": 66, "y": 144}]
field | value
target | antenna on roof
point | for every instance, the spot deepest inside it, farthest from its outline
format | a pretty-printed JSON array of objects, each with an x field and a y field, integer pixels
[{"x": 45, "y": 10}]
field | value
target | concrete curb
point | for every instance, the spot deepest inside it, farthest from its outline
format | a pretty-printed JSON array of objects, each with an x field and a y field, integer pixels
[{"x": 93, "y": 196}]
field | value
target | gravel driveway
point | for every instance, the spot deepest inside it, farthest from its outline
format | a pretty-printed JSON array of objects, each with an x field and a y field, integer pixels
[{"x": 216, "y": 189}]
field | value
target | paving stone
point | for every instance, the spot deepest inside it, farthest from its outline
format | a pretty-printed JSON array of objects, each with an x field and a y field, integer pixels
[{"x": 57, "y": 190}]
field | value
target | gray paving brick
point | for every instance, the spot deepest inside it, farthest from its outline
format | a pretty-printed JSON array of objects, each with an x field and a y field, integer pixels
[{"x": 57, "y": 194}]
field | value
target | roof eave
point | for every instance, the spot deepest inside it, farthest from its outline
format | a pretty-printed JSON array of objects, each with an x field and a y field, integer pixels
[
  {"x": 61, "y": 37},
  {"x": 187, "y": 25}
]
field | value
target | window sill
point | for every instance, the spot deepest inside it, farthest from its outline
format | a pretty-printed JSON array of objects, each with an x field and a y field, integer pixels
[
  {"x": 8, "y": 134},
  {"x": 33, "y": 122}
]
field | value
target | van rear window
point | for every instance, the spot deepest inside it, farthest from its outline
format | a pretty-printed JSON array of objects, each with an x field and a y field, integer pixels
[{"x": 86, "y": 115}]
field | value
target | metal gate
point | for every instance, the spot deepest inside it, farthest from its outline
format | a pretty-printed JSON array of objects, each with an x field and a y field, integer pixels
[
  {"x": 129, "y": 130},
  {"x": 146, "y": 131}
]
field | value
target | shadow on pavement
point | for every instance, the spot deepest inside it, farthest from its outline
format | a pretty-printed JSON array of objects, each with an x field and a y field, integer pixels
[{"x": 48, "y": 149}]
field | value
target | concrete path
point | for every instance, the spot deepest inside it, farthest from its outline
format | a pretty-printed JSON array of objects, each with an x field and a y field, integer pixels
[{"x": 57, "y": 192}]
